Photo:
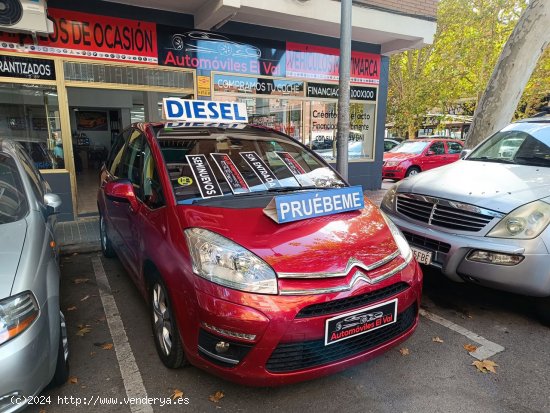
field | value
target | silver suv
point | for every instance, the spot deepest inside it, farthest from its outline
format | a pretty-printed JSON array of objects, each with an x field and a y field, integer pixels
[{"x": 485, "y": 218}]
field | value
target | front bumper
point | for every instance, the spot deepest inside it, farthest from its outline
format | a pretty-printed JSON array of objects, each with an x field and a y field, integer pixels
[
  {"x": 393, "y": 172},
  {"x": 289, "y": 344},
  {"x": 25, "y": 364},
  {"x": 530, "y": 277}
]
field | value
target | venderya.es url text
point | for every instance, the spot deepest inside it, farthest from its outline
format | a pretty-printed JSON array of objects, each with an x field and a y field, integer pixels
[{"x": 100, "y": 400}]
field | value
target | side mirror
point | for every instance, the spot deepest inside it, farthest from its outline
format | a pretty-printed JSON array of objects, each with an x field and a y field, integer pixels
[
  {"x": 121, "y": 190},
  {"x": 465, "y": 153},
  {"x": 52, "y": 202}
]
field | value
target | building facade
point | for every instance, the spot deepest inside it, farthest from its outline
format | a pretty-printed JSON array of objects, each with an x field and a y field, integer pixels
[{"x": 67, "y": 95}]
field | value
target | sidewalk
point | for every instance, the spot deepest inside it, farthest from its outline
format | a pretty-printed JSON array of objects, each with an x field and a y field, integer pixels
[{"x": 83, "y": 235}]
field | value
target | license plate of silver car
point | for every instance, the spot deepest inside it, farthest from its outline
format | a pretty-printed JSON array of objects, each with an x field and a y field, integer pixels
[{"x": 422, "y": 256}]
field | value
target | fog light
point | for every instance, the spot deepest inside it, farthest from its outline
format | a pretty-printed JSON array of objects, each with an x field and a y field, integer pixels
[
  {"x": 222, "y": 347},
  {"x": 495, "y": 258},
  {"x": 242, "y": 336}
]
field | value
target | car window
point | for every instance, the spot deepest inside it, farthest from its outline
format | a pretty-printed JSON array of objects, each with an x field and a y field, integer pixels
[
  {"x": 153, "y": 195},
  {"x": 251, "y": 161},
  {"x": 389, "y": 145},
  {"x": 411, "y": 147},
  {"x": 516, "y": 146},
  {"x": 13, "y": 203},
  {"x": 115, "y": 155},
  {"x": 32, "y": 173},
  {"x": 454, "y": 147},
  {"x": 438, "y": 148},
  {"x": 132, "y": 161}
]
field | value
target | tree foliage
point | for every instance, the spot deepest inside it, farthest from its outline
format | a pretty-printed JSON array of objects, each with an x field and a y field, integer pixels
[{"x": 455, "y": 70}]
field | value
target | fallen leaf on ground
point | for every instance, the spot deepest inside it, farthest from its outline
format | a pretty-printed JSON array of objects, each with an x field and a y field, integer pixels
[
  {"x": 437, "y": 340},
  {"x": 216, "y": 397},
  {"x": 83, "y": 331},
  {"x": 72, "y": 308},
  {"x": 92, "y": 353},
  {"x": 177, "y": 394},
  {"x": 73, "y": 380},
  {"x": 42, "y": 411},
  {"x": 75, "y": 253},
  {"x": 485, "y": 365},
  {"x": 470, "y": 348},
  {"x": 80, "y": 280},
  {"x": 85, "y": 298},
  {"x": 404, "y": 351},
  {"x": 107, "y": 346}
]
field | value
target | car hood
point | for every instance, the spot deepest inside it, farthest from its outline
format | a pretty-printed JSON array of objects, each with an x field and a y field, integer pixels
[
  {"x": 496, "y": 186},
  {"x": 12, "y": 238},
  {"x": 323, "y": 244},
  {"x": 398, "y": 156}
]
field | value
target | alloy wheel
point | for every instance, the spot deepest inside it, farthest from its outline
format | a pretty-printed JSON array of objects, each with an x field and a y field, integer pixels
[{"x": 162, "y": 319}]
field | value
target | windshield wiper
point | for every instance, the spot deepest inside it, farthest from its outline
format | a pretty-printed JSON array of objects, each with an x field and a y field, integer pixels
[
  {"x": 533, "y": 160},
  {"x": 487, "y": 159}
]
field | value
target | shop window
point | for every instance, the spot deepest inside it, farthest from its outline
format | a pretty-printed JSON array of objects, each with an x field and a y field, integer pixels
[{"x": 30, "y": 116}]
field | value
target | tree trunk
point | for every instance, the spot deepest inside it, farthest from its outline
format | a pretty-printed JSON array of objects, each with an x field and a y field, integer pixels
[{"x": 514, "y": 67}]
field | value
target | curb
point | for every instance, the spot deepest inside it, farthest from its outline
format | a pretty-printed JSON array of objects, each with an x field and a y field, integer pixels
[{"x": 81, "y": 248}]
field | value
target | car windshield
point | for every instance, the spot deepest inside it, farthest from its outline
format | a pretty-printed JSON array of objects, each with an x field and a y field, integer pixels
[
  {"x": 410, "y": 147},
  {"x": 515, "y": 147},
  {"x": 13, "y": 204},
  {"x": 242, "y": 162}
]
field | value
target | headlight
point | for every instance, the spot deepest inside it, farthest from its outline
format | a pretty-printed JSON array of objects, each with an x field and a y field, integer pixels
[
  {"x": 400, "y": 239},
  {"x": 16, "y": 315},
  {"x": 224, "y": 262},
  {"x": 525, "y": 222},
  {"x": 388, "y": 202},
  {"x": 392, "y": 163}
]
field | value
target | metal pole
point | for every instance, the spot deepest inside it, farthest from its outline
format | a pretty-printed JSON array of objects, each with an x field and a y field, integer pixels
[{"x": 342, "y": 135}]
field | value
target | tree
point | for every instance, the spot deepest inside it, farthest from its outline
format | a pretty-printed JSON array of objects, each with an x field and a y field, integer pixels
[{"x": 513, "y": 70}]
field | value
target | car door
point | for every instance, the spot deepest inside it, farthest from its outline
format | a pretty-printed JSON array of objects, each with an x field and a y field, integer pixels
[
  {"x": 151, "y": 220},
  {"x": 113, "y": 213},
  {"x": 434, "y": 156},
  {"x": 454, "y": 150},
  {"x": 130, "y": 168}
]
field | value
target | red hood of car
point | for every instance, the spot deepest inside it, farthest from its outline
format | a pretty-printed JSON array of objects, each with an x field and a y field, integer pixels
[
  {"x": 323, "y": 244},
  {"x": 398, "y": 156}
]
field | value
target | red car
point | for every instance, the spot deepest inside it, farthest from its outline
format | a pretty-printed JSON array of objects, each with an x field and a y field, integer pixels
[
  {"x": 414, "y": 156},
  {"x": 229, "y": 289}
]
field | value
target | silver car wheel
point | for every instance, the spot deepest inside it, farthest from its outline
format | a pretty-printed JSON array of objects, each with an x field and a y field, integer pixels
[
  {"x": 413, "y": 172},
  {"x": 162, "y": 319},
  {"x": 103, "y": 233}
]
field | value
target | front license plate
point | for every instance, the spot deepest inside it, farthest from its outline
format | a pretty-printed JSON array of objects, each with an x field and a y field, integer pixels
[
  {"x": 360, "y": 322},
  {"x": 422, "y": 256}
]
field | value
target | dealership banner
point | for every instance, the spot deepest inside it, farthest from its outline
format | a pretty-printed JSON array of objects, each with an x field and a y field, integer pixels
[
  {"x": 321, "y": 63},
  {"x": 207, "y": 51},
  {"x": 86, "y": 35},
  {"x": 27, "y": 68}
]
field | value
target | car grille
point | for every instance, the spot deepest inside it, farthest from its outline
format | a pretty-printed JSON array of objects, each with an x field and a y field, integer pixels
[
  {"x": 443, "y": 213},
  {"x": 431, "y": 244},
  {"x": 306, "y": 354},
  {"x": 357, "y": 301}
]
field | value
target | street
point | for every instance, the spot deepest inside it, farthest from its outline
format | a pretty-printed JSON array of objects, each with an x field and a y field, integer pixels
[{"x": 435, "y": 374}]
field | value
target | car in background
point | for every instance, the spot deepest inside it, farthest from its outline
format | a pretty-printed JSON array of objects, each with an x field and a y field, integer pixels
[
  {"x": 485, "y": 219},
  {"x": 33, "y": 336},
  {"x": 417, "y": 155},
  {"x": 389, "y": 144},
  {"x": 229, "y": 289}
]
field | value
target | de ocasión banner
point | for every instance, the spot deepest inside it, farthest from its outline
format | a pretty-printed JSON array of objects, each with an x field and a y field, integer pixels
[{"x": 86, "y": 35}]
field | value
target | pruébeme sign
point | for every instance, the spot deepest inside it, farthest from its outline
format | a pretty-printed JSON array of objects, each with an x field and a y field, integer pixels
[
  {"x": 27, "y": 68},
  {"x": 305, "y": 205}
]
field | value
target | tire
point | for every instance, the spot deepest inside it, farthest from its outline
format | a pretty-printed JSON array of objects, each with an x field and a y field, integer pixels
[
  {"x": 165, "y": 327},
  {"x": 543, "y": 310},
  {"x": 61, "y": 374},
  {"x": 413, "y": 170},
  {"x": 106, "y": 245}
]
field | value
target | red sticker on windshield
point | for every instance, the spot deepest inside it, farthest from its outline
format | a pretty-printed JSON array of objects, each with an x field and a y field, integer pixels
[{"x": 232, "y": 175}]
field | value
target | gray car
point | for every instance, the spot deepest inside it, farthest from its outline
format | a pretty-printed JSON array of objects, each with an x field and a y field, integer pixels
[
  {"x": 33, "y": 337},
  {"x": 485, "y": 218}
]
